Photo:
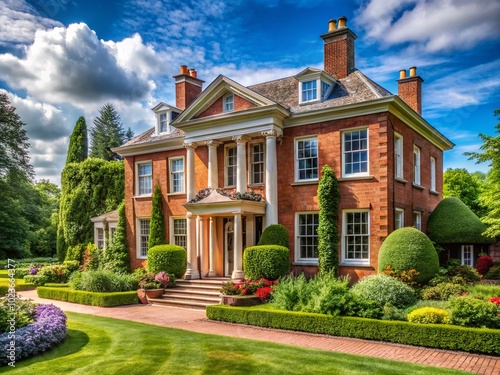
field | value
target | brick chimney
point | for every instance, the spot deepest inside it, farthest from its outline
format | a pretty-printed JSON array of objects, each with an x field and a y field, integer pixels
[
  {"x": 410, "y": 89},
  {"x": 187, "y": 87},
  {"x": 339, "y": 48}
]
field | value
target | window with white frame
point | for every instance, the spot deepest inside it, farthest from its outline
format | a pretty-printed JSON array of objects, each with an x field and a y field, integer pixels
[
  {"x": 176, "y": 174},
  {"x": 179, "y": 232},
  {"x": 325, "y": 90},
  {"x": 100, "y": 238},
  {"x": 399, "y": 218},
  {"x": 142, "y": 237},
  {"x": 231, "y": 166},
  {"x": 468, "y": 255},
  {"x": 306, "y": 159},
  {"x": 417, "y": 220},
  {"x": 355, "y": 153},
  {"x": 256, "y": 163},
  {"x": 398, "y": 155},
  {"x": 356, "y": 236},
  {"x": 144, "y": 178},
  {"x": 112, "y": 231},
  {"x": 163, "y": 123},
  {"x": 307, "y": 236},
  {"x": 309, "y": 91},
  {"x": 433, "y": 174},
  {"x": 228, "y": 103},
  {"x": 416, "y": 165}
]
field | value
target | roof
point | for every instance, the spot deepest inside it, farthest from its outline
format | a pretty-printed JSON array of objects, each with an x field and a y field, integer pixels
[
  {"x": 111, "y": 216},
  {"x": 149, "y": 136}
]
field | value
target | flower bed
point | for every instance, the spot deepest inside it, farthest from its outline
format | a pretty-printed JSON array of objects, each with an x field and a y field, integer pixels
[{"x": 47, "y": 331}]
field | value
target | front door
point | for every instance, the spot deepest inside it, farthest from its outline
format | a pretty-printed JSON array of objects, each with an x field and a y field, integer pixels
[{"x": 228, "y": 247}]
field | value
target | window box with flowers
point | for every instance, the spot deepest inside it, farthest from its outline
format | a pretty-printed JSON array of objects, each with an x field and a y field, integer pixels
[{"x": 247, "y": 292}]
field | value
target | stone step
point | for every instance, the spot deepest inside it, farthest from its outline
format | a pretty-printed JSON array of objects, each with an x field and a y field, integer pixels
[
  {"x": 182, "y": 303},
  {"x": 191, "y": 291},
  {"x": 214, "y": 300}
]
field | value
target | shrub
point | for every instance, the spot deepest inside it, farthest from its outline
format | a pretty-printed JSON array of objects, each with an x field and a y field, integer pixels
[
  {"x": 483, "y": 264},
  {"x": 274, "y": 234},
  {"x": 409, "y": 249},
  {"x": 382, "y": 289},
  {"x": 102, "y": 281},
  {"x": 21, "y": 272},
  {"x": 171, "y": 259},
  {"x": 442, "y": 291},
  {"x": 467, "y": 273},
  {"x": 75, "y": 253},
  {"x": 47, "y": 331},
  {"x": 37, "y": 280},
  {"x": 406, "y": 276},
  {"x": 157, "y": 227},
  {"x": 26, "y": 262},
  {"x": 71, "y": 265},
  {"x": 89, "y": 298},
  {"x": 91, "y": 258},
  {"x": 292, "y": 293},
  {"x": 428, "y": 315},
  {"x": 266, "y": 261},
  {"x": 471, "y": 312},
  {"x": 493, "y": 273},
  {"x": 116, "y": 258},
  {"x": 329, "y": 295},
  {"x": 55, "y": 273},
  {"x": 23, "y": 315}
]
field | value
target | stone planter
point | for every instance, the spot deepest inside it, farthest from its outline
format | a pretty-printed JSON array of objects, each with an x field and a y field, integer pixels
[
  {"x": 144, "y": 294},
  {"x": 240, "y": 300},
  {"x": 141, "y": 294}
]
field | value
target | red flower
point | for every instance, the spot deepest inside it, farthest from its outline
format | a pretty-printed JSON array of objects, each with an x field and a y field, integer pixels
[
  {"x": 264, "y": 293},
  {"x": 495, "y": 300}
]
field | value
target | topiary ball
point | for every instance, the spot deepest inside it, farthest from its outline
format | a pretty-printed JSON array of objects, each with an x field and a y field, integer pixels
[
  {"x": 171, "y": 259},
  {"x": 275, "y": 234},
  {"x": 406, "y": 249},
  {"x": 268, "y": 261}
]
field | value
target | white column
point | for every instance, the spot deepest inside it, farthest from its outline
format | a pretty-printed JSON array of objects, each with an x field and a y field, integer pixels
[
  {"x": 241, "y": 163},
  {"x": 271, "y": 177},
  {"x": 191, "y": 186},
  {"x": 213, "y": 247},
  {"x": 202, "y": 246},
  {"x": 238, "y": 248},
  {"x": 213, "y": 171},
  {"x": 192, "y": 258}
]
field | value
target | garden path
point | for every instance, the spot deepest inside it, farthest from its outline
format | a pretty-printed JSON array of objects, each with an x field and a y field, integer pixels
[{"x": 195, "y": 320}]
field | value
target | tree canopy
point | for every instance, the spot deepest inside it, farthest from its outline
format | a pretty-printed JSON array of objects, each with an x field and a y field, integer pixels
[
  {"x": 466, "y": 186},
  {"x": 157, "y": 228},
  {"x": 106, "y": 133},
  {"x": 78, "y": 143}
]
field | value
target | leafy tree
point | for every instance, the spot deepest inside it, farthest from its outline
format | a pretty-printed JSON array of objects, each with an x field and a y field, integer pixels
[
  {"x": 328, "y": 232},
  {"x": 467, "y": 187},
  {"x": 490, "y": 197},
  {"x": 78, "y": 143},
  {"x": 116, "y": 256},
  {"x": 157, "y": 229},
  {"x": 107, "y": 133}
]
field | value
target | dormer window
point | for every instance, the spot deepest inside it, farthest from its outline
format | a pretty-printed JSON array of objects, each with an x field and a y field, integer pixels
[
  {"x": 228, "y": 103},
  {"x": 325, "y": 90},
  {"x": 163, "y": 123},
  {"x": 309, "y": 91},
  {"x": 165, "y": 114},
  {"x": 314, "y": 85}
]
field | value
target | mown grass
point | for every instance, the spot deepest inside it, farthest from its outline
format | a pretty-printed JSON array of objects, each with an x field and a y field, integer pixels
[{"x": 96, "y": 345}]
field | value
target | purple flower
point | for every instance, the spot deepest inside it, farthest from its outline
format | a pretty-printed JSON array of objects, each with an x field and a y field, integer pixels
[{"x": 33, "y": 271}]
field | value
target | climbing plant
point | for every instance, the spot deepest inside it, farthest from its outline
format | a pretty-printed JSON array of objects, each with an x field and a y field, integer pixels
[{"x": 157, "y": 229}]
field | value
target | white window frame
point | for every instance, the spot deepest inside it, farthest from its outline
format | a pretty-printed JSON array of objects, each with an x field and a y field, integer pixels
[
  {"x": 226, "y": 165},
  {"x": 467, "y": 255},
  {"x": 398, "y": 156},
  {"x": 297, "y": 160},
  {"x": 112, "y": 231},
  {"x": 139, "y": 237},
  {"x": 417, "y": 220},
  {"x": 228, "y": 103},
  {"x": 173, "y": 235},
  {"x": 345, "y": 152},
  {"x": 433, "y": 173},
  {"x": 298, "y": 258},
  {"x": 100, "y": 239},
  {"x": 138, "y": 178},
  {"x": 355, "y": 261},
  {"x": 163, "y": 122},
  {"x": 171, "y": 174},
  {"x": 416, "y": 165},
  {"x": 399, "y": 218},
  {"x": 313, "y": 90},
  {"x": 252, "y": 163}
]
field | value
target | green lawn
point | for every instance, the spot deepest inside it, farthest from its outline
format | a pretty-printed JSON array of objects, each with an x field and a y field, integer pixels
[
  {"x": 20, "y": 283},
  {"x": 102, "y": 346}
]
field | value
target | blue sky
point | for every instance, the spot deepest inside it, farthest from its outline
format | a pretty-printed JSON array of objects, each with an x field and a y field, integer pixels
[{"x": 61, "y": 59}]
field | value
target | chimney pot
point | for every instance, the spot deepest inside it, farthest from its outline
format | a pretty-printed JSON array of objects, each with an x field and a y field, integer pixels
[
  {"x": 413, "y": 71},
  {"x": 184, "y": 69},
  {"x": 332, "y": 24},
  {"x": 402, "y": 74},
  {"x": 342, "y": 22},
  {"x": 192, "y": 73}
]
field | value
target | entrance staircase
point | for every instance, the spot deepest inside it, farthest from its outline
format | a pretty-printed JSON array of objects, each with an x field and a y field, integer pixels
[{"x": 193, "y": 294}]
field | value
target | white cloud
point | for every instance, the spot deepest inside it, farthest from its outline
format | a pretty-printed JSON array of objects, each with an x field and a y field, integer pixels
[
  {"x": 431, "y": 25},
  {"x": 70, "y": 65}
]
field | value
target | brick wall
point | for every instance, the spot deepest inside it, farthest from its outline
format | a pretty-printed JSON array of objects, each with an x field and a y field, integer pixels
[
  {"x": 216, "y": 108},
  {"x": 185, "y": 93},
  {"x": 339, "y": 53},
  {"x": 410, "y": 90}
]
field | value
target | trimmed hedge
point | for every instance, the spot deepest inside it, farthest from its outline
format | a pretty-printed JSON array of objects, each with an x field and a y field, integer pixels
[
  {"x": 88, "y": 298},
  {"x": 4, "y": 288},
  {"x": 478, "y": 340},
  {"x": 274, "y": 234},
  {"x": 171, "y": 259},
  {"x": 268, "y": 261}
]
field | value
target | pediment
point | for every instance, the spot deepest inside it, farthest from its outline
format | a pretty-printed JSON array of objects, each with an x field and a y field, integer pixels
[
  {"x": 162, "y": 106},
  {"x": 208, "y": 99}
]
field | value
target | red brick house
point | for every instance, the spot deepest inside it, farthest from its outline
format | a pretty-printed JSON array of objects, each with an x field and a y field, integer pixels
[{"x": 273, "y": 138}]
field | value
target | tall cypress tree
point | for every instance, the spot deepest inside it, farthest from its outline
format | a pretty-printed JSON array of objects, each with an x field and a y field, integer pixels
[
  {"x": 157, "y": 230},
  {"x": 116, "y": 256},
  {"x": 107, "y": 133},
  {"x": 328, "y": 231},
  {"x": 78, "y": 143}
]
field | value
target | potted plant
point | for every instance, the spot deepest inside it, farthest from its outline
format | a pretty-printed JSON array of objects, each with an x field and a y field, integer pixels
[{"x": 153, "y": 286}]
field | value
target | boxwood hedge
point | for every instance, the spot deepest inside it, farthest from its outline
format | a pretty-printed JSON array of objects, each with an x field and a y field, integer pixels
[
  {"x": 171, "y": 259},
  {"x": 267, "y": 261},
  {"x": 88, "y": 298},
  {"x": 442, "y": 336}
]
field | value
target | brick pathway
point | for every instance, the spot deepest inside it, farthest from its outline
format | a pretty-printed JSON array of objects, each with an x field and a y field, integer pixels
[{"x": 196, "y": 321}]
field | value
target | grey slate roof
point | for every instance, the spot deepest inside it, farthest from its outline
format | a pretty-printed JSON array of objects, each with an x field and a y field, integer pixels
[{"x": 355, "y": 88}]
